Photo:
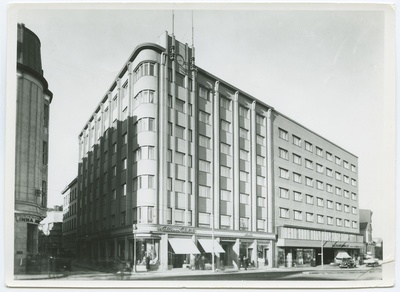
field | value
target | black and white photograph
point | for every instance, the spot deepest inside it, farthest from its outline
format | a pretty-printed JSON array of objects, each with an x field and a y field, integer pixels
[{"x": 200, "y": 145}]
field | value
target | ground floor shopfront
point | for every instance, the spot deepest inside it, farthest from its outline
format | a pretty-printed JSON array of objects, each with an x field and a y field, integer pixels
[
  {"x": 303, "y": 247},
  {"x": 156, "y": 247}
]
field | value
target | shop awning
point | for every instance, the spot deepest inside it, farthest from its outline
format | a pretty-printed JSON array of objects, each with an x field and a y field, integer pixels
[
  {"x": 207, "y": 245},
  {"x": 183, "y": 246}
]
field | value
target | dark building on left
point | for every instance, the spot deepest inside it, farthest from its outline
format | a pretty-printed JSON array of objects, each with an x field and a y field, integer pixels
[{"x": 31, "y": 147}]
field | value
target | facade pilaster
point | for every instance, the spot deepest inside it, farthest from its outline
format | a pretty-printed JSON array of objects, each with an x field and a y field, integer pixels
[{"x": 236, "y": 165}]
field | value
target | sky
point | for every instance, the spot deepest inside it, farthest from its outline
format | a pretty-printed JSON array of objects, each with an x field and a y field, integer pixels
[{"x": 323, "y": 68}]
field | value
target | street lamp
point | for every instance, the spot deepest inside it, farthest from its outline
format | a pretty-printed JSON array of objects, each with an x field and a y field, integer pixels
[{"x": 134, "y": 227}]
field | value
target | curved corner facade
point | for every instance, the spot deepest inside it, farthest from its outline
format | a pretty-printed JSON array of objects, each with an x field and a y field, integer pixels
[
  {"x": 175, "y": 162},
  {"x": 32, "y": 144}
]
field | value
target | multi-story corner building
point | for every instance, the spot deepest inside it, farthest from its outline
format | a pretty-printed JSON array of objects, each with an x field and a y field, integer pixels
[
  {"x": 70, "y": 207},
  {"x": 31, "y": 147},
  {"x": 175, "y": 162}
]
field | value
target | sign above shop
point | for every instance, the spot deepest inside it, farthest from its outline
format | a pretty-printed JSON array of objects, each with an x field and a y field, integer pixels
[{"x": 175, "y": 229}]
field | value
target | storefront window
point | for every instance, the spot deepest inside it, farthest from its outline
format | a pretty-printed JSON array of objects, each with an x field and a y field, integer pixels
[{"x": 147, "y": 253}]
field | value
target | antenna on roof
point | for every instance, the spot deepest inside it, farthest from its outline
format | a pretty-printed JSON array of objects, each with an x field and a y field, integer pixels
[
  {"x": 192, "y": 59},
  {"x": 192, "y": 31},
  {"x": 173, "y": 20}
]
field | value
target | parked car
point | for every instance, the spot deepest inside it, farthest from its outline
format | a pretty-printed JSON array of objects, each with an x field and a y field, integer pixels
[
  {"x": 371, "y": 262},
  {"x": 347, "y": 263}
]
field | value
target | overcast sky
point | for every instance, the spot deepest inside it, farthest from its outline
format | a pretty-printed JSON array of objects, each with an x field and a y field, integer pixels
[{"x": 324, "y": 69}]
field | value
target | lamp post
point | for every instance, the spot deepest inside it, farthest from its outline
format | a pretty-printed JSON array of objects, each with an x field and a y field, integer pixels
[
  {"x": 322, "y": 249},
  {"x": 134, "y": 227}
]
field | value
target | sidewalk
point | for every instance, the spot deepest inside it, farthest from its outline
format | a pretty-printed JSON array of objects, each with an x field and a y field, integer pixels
[{"x": 186, "y": 272}]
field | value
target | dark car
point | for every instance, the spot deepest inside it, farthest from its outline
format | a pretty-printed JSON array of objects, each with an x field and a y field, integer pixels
[{"x": 347, "y": 263}]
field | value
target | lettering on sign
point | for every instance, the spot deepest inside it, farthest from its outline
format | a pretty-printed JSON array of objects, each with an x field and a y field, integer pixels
[
  {"x": 28, "y": 218},
  {"x": 175, "y": 229}
]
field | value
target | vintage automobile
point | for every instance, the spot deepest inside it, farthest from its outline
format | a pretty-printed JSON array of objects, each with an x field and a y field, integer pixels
[
  {"x": 347, "y": 263},
  {"x": 371, "y": 262}
]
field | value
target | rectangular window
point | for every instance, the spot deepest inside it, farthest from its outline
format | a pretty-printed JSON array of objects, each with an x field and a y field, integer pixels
[
  {"x": 353, "y": 168},
  {"x": 298, "y": 197},
  {"x": 308, "y": 146},
  {"x": 244, "y": 199},
  {"x": 338, "y": 176},
  {"x": 309, "y": 199},
  {"x": 179, "y": 186},
  {"x": 124, "y": 164},
  {"x": 337, "y": 160},
  {"x": 260, "y": 140},
  {"x": 320, "y": 202},
  {"x": 260, "y": 120},
  {"x": 283, "y": 134},
  {"x": 180, "y": 132},
  {"x": 225, "y": 171},
  {"x": 45, "y": 154},
  {"x": 296, "y": 177},
  {"x": 204, "y": 93},
  {"x": 347, "y": 208},
  {"x": 338, "y": 207},
  {"x": 330, "y": 220},
  {"x": 346, "y": 194},
  {"x": 319, "y": 151},
  {"x": 346, "y": 223},
  {"x": 225, "y": 103},
  {"x": 179, "y": 158},
  {"x": 243, "y": 154},
  {"x": 345, "y": 164},
  {"x": 114, "y": 194},
  {"x": 338, "y": 191},
  {"x": 329, "y": 188},
  {"x": 225, "y": 148},
  {"x": 123, "y": 218},
  {"x": 329, "y": 156},
  {"x": 297, "y": 215},
  {"x": 296, "y": 159},
  {"x": 170, "y": 129},
  {"x": 354, "y": 210},
  {"x": 204, "y": 165},
  {"x": 204, "y": 117},
  {"x": 338, "y": 222},
  {"x": 320, "y": 219},
  {"x": 320, "y": 168},
  {"x": 310, "y": 217},
  {"x": 244, "y": 176},
  {"x": 329, "y": 172},
  {"x": 346, "y": 179},
  {"x": 309, "y": 181},
  {"x": 284, "y": 193},
  {"x": 243, "y": 112},
  {"x": 204, "y": 141},
  {"x": 320, "y": 185},
  {"x": 283, "y": 153},
  {"x": 329, "y": 204},
  {"x": 284, "y": 173},
  {"x": 226, "y": 126},
  {"x": 180, "y": 105},
  {"x": 283, "y": 213},
  {"x": 243, "y": 133},
  {"x": 309, "y": 164},
  {"x": 226, "y": 195},
  {"x": 353, "y": 182},
  {"x": 204, "y": 191},
  {"x": 296, "y": 141},
  {"x": 354, "y": 224}
]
